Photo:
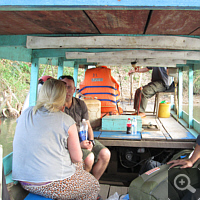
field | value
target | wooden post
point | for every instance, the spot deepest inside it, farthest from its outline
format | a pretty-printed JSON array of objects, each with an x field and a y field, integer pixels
[
  {"x": 180, "y": 92},
  {"x": 34, "y": 81},
  {"x": 75, "y": 76},
  {"x": 190, "y": 95},
  {"x": 131, "y": 88},
  {"x": 60, "y": 67}
]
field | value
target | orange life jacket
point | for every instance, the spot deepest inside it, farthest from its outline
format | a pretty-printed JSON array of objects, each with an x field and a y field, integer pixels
[{"x": 99, "y": 83}]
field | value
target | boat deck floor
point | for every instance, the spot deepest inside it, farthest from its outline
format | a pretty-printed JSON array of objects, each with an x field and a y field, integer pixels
[
  {"x": 156, "y": 133},
  {"x": 108, "y": 190}
]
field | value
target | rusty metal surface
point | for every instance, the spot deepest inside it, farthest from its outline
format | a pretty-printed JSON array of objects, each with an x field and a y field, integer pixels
[
  {"x": 173, "y": 22},
  {"x": 119, "y": 21},
  {"x": 168, "y": 22},
  {"x": 45, "y": 22}
]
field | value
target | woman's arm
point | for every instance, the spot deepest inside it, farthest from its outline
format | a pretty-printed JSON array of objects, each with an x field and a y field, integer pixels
[{"x": 73, "y": 144}]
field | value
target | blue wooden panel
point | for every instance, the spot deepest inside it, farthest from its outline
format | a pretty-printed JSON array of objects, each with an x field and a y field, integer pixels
[
  {"x": 120, "y": 135},
  {"x": 153, "y": 135},
  {"x": 105, "y": 3},
  {"x": 7, "y": 165},
  {"x": 32, "y": 196},
  {"x": 188, "y": 136},
  {"x": 96, "y": 134}
]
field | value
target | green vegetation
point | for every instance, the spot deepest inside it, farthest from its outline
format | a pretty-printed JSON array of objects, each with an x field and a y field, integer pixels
[{"x": 15, "y": 80}]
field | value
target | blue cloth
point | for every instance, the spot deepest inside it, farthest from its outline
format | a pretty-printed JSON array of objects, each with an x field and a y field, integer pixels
[
  {"x": 32, "y": 196},
  {"x": 40, "y": 151}
]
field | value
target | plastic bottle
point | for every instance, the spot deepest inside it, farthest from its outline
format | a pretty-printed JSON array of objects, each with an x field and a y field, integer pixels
[
  {"x": 128, "y": 126},
  {"x": 83, "y": 133},
  {"x": 134, "y": 126}
]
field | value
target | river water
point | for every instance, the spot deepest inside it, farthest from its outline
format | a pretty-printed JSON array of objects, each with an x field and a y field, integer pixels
[{"x": 7, "y": 129}]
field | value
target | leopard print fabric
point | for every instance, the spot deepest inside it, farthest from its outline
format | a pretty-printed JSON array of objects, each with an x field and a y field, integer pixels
[{"x": 81, "y": 185}]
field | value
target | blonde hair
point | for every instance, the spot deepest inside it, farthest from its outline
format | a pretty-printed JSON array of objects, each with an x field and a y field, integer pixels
[{"x": 52, "y": 96}]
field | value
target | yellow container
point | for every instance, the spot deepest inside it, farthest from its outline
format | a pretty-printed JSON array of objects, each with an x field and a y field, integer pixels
[
  {"x": 94, "y": 111},
  {"x": 164, "y": 110}
]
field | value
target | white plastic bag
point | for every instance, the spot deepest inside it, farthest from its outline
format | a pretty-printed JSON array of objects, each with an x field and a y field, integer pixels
[{"x": 114, "y": 197}]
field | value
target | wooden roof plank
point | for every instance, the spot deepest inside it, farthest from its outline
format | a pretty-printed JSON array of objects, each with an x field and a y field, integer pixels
[
  {"x": 119, "y": 42},
  {"x": 119, "y": 21},
  {"x": 173, "y": 22}
]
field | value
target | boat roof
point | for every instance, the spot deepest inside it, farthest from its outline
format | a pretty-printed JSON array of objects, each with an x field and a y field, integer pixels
[{"x": 109, "y": 26}]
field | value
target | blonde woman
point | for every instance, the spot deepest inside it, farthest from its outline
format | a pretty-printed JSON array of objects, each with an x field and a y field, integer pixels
[{"x": 47, "y": 157}]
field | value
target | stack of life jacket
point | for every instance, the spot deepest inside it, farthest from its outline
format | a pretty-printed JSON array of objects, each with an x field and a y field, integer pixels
[{"x": 99, "y": 83}]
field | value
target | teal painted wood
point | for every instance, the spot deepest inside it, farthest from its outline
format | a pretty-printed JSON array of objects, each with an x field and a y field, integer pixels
[
  {"x": 103, "y": 4},
  {"x": 16, "y": 53},
  {"x": 190, "y": 96},
  {"x": 13, "y": 40},
  {"x": 120, "y": 135},
  {"x": 45, "y": 61},
  {"x": 180, "y": 92},
  {"x": 196, "y": 126},
  {"x": 193, "y": 61},
  {"x": 118, "y": 122},
  {"x": 7, "y": 165},
  {"x": 60, "y": 67},
  {"x": 185, "y": 118},
  {"x": 195, "y": 131},
  {"x": 75, "y": 76},
  {"x": 69, "y": 63},
  {"x": 34, "y": 81}
]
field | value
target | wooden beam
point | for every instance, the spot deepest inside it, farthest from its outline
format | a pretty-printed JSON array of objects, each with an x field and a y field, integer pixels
[
  {"x": 186, "y": 55},
  {"x": 153, "y": 144},
  {"x": 119, "y": 42},
  {"x": 140, "y": 62}
]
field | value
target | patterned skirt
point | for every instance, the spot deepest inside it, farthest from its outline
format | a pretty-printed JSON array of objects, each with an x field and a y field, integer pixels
[{"x": 81, "y": 185}]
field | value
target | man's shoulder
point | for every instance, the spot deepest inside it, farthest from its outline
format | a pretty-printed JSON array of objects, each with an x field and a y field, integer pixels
[{"x": 78, "y": 101}]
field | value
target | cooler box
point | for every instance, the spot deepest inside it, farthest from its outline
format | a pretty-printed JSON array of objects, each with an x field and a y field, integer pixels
[{"x": 118, "y": 122}]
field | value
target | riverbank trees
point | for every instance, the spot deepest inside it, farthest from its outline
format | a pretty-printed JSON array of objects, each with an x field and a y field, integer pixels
[{"x": 15, "y": 83}]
